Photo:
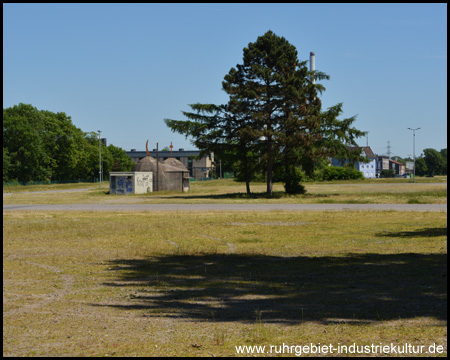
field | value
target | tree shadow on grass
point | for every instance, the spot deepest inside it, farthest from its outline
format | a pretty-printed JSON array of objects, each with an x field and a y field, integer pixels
[
  {"x": 354, "y": 288},
  {"x": 236, "y": 195},
  {"x": 427, "y": 232},
  {"x": 243, "y": 195}
]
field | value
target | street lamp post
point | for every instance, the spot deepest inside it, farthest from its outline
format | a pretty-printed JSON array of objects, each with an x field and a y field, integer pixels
[
  {"x": 414, "y": 151},
  {"x": 100, "y": 158}
]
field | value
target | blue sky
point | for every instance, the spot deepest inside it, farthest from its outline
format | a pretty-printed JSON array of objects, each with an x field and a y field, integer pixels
[{"x": 123, "y": 68}]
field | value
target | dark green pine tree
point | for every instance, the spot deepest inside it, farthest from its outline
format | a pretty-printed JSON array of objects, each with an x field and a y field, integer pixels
[
  {"x": 242, "y": 139},
  {"x": 219, "y": 130},
  {"x": 338, "y": 137},
  {"x": 274, "y": 89},
  {"x": 205, "y": 127},
  {"x": 273, "y": 116}
]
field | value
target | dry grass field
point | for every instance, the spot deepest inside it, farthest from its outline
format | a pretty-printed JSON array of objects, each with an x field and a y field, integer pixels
[
  {"x": 375, "y": 191},
  {"x": 202, "y": 283}
]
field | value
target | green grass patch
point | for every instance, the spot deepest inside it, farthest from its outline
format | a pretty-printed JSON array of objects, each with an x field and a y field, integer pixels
[{"x": 414, "y": 201}]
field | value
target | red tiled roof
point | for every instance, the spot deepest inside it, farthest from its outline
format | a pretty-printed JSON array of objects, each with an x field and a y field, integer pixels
[{"x": 367, "y": 150}]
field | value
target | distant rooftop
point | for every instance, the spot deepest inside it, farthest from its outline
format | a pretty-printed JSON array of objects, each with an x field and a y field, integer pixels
[
  {"x": 175, "y": 153},
  {"x": 367, "y": 150}
]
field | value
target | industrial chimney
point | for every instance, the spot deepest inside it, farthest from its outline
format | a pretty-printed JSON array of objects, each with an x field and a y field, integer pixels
[{"x": 312, "y": 64}]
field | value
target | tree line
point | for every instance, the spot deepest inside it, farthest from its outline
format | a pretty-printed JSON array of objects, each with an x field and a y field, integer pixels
[
  {"x": 432, "y": 162},
  {"x": 273, "y": 123},
  {"x": 40, "y": 145}
]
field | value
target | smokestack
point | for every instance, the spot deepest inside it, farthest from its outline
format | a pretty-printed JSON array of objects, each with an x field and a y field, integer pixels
[{"x": 312, "y": 64}]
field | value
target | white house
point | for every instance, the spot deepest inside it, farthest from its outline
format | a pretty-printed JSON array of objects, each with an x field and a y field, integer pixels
[{"x": 368, "y": 169}]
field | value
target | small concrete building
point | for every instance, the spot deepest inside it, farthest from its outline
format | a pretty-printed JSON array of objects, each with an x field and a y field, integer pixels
[
  {"x": 171, "y": 175},
  {"x": 198, "y": 168},
  {"x": 130, "y": 182},
  {"x": 172, "y": 163}
]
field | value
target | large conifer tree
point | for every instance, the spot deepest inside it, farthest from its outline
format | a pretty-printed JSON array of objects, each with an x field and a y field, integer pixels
[
  {"x": 273, "y": 110},
  {"x": 280, "y": 98}
]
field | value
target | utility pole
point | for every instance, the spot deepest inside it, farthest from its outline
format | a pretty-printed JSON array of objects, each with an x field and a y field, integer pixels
[
  {"x": 389, "y": 149},
  {"x": 414, "y": 150},
  {"x": 99, "y": 158},
  {"x": 157, "y": 167},
  {"x": 312, "y": 65}
]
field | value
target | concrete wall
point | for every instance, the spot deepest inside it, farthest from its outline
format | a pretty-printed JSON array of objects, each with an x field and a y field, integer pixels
[
  {"x": 186, "y": 184},
  {"x": 143, "y": 182},
  {"x": 127, "y": 183}
]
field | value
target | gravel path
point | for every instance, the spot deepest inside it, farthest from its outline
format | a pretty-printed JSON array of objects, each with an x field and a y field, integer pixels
[
  {"x": 230, "y": 207},
  {"x": 48, "y": 191}
]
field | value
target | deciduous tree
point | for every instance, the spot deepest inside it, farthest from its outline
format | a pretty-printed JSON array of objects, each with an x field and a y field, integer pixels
[
  {"x": 434, "y": 161},
  {"x": 40, "y": 145}
]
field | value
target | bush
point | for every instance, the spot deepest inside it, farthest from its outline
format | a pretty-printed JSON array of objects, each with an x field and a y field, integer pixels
[
  {"x": 292, "y": 187},
  {"x": 279, "y": 174},
  {"x": 317, "y": 175},
  {"x": 340, "y": 173},
  {"x": 387, "y": 173},
  {"x": 292, "y": 181}
]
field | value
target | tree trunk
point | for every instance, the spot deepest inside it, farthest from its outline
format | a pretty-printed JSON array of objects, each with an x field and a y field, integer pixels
[
  {"x": 269, "y": 166},
  {"x": 247, "y": 176}
]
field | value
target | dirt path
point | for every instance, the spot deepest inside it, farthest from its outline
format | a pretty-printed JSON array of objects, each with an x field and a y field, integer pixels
[
  {"x": 47, "y": 298},
  {"x": 48, "y": 191}
]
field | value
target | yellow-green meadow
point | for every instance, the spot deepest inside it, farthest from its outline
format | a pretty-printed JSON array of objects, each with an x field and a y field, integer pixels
[{"x": 202, "y": 283}]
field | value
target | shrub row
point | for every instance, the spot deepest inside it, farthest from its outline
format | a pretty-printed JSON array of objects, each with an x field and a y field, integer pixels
[{"x": 341, "y": 173}]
